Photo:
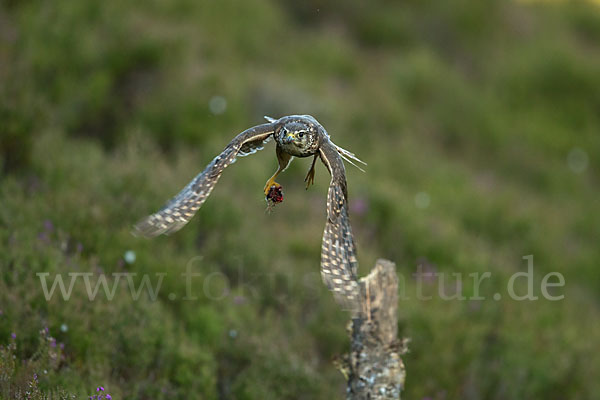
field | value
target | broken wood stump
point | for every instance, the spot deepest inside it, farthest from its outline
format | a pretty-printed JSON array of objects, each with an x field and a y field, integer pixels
[{"x": 374, "y": 368}]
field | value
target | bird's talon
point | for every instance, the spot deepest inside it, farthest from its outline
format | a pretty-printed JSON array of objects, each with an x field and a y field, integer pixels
[
  {"x": 269, "y": 185},
  {"x": 310, "y": 178}
]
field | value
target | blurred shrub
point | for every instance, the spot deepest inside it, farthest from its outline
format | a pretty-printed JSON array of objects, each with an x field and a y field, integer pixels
[
  {"x": 15, "y": 137},
  {"x": 31, "y": 376},
  {"x": 89, "y": 64}
]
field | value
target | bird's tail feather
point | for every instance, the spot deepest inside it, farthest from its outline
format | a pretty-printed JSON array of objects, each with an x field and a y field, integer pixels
[{"x": 349, "y": 156}]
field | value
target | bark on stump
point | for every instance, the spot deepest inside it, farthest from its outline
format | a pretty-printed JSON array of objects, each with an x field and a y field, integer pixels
[{"x": 373, "y": 368}]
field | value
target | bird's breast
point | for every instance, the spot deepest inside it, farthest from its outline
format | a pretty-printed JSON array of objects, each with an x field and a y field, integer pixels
[{"x": 294, "y": 150}]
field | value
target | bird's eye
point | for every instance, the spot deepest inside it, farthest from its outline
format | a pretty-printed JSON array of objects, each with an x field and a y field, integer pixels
[{"x": 300, "y": 134}]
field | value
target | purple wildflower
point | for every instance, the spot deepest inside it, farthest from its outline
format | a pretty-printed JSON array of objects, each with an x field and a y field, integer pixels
[
  {"x": 359, "y": 206},
  {"x": 99, "y": 389},
  {"x": 48, "y": 226},
  {"x": 44, "y": 237},
  {"x": 108, "y": 396},
  {"x": 13, "y": 335}
]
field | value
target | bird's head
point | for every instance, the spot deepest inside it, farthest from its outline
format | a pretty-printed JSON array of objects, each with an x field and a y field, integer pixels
[
  {"x": 296, "y": 133},
  {"x": 299, "y": 135}
]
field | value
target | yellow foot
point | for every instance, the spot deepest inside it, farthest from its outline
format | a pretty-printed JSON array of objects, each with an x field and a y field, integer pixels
[
  {"x": 310, "y": 178},
  {"x": 268, "y": 185}
]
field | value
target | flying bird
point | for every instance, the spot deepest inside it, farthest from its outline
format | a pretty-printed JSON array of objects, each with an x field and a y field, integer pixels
[{"x": 295, "y": 136}]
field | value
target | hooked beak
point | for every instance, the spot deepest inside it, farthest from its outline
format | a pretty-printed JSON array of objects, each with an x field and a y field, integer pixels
[{"x": 289, "y": 138}]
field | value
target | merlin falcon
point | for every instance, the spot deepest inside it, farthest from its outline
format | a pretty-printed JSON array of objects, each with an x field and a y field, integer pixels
[{"x": 295, "y": 136}]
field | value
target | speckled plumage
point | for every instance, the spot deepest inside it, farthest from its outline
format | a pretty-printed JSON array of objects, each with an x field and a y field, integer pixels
[
  {"x": 295, "y": 136},
  {"x": 178, "y": 212}
]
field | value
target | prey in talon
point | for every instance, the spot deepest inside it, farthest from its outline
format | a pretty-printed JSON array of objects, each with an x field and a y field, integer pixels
[{"x": 274, "y": 197}]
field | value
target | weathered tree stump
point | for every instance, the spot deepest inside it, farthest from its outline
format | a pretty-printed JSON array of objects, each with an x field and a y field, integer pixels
[{"x": 374, "y": 368}]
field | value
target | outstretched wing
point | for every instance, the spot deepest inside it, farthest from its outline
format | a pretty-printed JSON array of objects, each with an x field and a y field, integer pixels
[
  {"x": 339, "y": 266},
  {"x": 177, "y": 212}
]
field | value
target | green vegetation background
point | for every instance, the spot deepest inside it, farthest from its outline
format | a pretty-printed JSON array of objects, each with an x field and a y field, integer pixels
[{"x": 104, "y": 115}]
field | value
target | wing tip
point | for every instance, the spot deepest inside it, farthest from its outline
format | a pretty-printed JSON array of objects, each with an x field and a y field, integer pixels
[{"x": 146, "y": 229}]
